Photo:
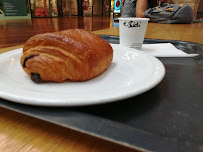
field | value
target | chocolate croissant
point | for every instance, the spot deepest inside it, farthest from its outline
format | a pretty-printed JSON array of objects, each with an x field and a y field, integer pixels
[{"x": 73, "y": 54}]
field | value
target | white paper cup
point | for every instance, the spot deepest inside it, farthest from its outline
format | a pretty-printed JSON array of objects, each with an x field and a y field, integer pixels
[{"x": 132, "y": 31}]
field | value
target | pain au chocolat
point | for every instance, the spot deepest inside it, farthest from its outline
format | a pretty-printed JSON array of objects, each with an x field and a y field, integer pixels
[{"x": 73, "y": 54}]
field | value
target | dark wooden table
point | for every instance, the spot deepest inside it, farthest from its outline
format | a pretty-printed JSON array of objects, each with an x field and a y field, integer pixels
[{"x": 16, "y": 32}]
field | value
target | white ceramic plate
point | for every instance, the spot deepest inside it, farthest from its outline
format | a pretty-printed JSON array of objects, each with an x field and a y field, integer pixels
[{"x": 131, "y": 73}]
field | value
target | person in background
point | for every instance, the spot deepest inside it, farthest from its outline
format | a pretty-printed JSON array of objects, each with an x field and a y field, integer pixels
[{"x": 136, "y": 8}]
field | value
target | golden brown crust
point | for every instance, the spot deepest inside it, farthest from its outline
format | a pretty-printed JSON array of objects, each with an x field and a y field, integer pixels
[{"x": 73, "y": 54}]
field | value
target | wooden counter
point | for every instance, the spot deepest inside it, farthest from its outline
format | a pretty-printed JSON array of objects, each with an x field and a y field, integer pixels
[
  {"x": 183, "y": 32},
  {"x": 20, "y": 133}
]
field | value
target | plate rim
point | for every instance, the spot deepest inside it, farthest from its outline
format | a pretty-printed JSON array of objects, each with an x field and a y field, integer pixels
[{"x": 22, "y": 100}]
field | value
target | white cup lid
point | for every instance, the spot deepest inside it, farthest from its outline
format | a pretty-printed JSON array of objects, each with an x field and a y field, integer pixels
[{"x": 133, "y": 18}]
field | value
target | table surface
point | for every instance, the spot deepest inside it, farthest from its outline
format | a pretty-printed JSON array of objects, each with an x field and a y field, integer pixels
[
  {"x": 19, "y": 132},
  {"x": 182, "y": 32}
]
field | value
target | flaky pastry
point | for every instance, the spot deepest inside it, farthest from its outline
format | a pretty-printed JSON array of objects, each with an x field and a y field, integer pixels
[{"x": 73, "y": 54}]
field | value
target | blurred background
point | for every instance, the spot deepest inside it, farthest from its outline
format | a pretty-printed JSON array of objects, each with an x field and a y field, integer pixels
[{"x": 64, "y": 8}]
